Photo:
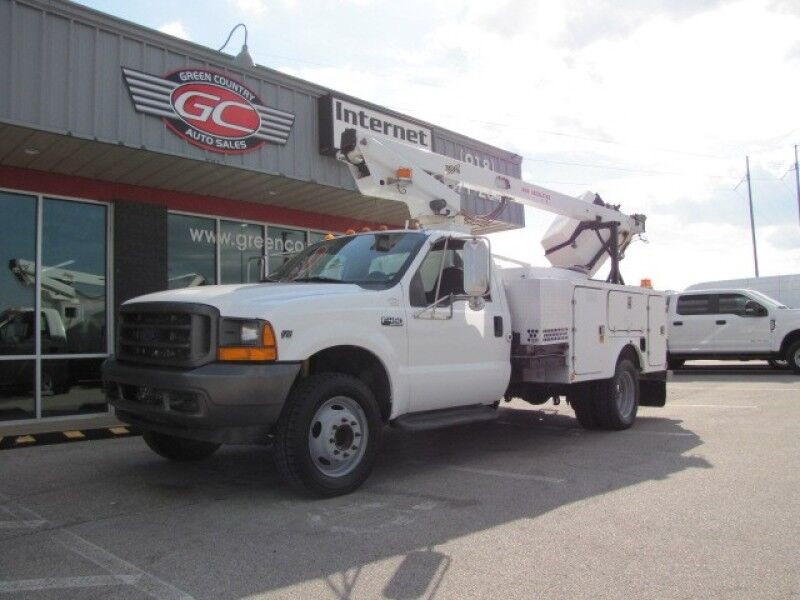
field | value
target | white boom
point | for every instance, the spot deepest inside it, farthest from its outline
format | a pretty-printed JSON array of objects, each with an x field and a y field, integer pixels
[{"x": 430, "y": 184}]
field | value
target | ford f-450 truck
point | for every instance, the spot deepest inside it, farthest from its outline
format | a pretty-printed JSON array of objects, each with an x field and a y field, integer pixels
[{"x": 415, "y": 328}]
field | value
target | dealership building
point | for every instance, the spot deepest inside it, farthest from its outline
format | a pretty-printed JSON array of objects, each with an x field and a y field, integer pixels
[{"x": 132, "y": 161}]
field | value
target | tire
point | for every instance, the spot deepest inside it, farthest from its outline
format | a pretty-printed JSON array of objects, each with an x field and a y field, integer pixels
[
  {"x": 675, "y": 363},
  {"x": 778, "y": 365},
  {"x": 616, "y": 400},
  {"x": 793, "y": 357},
  {"x": 178, "y": 449},
  {"x": 328, "y": 436},
  {"x": 584, "y": 411}
]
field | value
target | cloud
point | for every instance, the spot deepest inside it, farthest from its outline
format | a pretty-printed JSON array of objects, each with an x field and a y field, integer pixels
[
  {"x": 174, "y": 28},
  {"x": 592, "y": 20},
  {"x": 653, "y": 104},
  {"x": 251, "y": 7},
  {"x": 785, "y": 237}
]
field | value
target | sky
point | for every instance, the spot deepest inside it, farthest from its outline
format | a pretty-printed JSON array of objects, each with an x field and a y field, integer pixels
[{"x": 653, "y": 104}]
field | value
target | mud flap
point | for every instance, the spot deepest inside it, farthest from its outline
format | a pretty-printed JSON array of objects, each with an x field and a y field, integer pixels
[{"x": 653, "y": 389}]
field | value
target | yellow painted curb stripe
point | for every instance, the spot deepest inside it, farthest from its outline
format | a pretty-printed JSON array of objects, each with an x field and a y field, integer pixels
[
  {"x": 25, "y": 439},
  {"x": 73, "y": 435},
  {"x": 118, "y": 430}
]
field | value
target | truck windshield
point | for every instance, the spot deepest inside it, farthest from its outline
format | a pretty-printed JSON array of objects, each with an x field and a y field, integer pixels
[
  {"x": 375, "y": 258},
  {"x": 767, "y": 299}
]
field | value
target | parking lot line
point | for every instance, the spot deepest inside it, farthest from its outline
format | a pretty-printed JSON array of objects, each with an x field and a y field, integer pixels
[
  {"x": 712, "y": 405},
  {"x": 31, "y": 524},
  {"x": 61, "y": 583},
  {"x": 506, "y": 474},
  {"x": 121, "y": 571},
  {"x": 730, "y": 388}
]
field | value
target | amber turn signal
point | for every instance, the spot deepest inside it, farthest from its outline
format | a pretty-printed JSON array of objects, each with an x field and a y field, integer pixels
[{"x": 267, "y": 350}]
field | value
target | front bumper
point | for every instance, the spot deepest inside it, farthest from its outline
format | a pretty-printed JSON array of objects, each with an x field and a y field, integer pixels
[{"x": 218, "y": 402}]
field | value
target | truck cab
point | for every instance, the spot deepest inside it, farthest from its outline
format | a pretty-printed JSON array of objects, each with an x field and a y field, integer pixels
[{"x": 732, "y": 324}]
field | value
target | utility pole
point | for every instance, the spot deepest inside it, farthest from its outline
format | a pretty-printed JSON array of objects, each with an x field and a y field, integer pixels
[
  {"x": 752, "y": 220},
  {"x": 797, "y": 178}
]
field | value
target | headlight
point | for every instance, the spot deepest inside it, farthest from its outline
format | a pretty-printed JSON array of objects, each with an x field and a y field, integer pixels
[{"x": 246, "y": 340}]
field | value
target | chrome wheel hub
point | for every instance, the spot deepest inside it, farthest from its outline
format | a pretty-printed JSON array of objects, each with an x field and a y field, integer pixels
[
  {"x": 337, "y": 437},
  {"x": 625, "y": 394}
]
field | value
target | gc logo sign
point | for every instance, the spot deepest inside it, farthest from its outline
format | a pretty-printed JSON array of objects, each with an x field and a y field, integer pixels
[{"x": 209, "y": 109}]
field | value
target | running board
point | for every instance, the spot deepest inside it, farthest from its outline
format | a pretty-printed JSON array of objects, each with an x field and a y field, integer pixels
[{"x": 436, "y": 419}]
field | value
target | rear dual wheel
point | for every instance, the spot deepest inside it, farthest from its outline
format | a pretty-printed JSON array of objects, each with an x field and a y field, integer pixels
[{"x": 610, "y": 404}]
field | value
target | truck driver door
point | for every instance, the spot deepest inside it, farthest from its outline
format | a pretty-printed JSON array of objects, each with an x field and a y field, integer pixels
[{"x": 458, "y": 358}]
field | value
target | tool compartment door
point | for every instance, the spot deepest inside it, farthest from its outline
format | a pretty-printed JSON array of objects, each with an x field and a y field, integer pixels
[
  {"x": 626, "y": 312},
  {"x": 656, "y": 331},
  {"x": 589, "y": 324}
]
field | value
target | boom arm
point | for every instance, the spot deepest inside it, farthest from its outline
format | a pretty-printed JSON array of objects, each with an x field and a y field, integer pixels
[{"x": 429, "y": 184}]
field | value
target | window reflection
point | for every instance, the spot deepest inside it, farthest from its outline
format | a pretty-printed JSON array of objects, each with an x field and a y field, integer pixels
[
  {"x": 240, "y": 247},
  {"x": 191, "y": 251},
  {"x": 16, "y": 389},
  {"x": 282, "y": 243},
  {"x": 73, "y": 280},
  {"x": 71, "y": 387},
  {"x": 17, "y": 273},
  {"x": 315, "y": 236}
]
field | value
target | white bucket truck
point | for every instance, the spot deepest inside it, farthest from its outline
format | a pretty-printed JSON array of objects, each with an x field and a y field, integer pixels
[{"x": 417, "y": 328}]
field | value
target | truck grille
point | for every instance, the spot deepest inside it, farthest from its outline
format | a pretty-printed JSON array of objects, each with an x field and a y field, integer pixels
[{"x": 167, "y": 333}]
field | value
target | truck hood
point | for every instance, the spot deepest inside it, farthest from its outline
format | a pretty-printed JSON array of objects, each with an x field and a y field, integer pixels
[{"x": 229, "y": 299}]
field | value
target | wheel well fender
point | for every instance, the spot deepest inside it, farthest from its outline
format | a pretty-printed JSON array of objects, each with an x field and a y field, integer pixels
[
  {"x": 358, "y": 362},
  {"x": 631, "y": 352},
  {"x": 789, "y": 339}
]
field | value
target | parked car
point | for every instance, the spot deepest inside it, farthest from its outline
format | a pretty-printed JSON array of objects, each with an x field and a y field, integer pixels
[{"x": 732, "y": 324}]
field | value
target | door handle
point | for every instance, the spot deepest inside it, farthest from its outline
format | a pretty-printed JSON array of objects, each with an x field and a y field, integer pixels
[
  {"x": 677, "y": 323},
  {"x": 498, "y": 326},
  {"x": 721, "y": 322}
]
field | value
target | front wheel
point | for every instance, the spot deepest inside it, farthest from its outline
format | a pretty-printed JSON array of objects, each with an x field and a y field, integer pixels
[
  {"x": 178, "y": 449},
  {"x": 793, "y": 357},
  {"x": 328, "y": 436}
]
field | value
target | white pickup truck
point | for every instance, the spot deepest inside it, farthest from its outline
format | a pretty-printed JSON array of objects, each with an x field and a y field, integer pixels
[
  {"x": 732, "y": 324},
  {"x": 417, "y": 328}
]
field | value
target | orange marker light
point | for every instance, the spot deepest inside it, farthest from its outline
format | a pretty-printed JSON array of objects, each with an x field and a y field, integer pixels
[
  {"x": 268, "y": 350},
  {"x": 403, "y": 173}
]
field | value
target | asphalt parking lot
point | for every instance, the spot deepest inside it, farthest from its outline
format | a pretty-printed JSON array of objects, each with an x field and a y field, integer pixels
[{"x": 699, "y": 499}]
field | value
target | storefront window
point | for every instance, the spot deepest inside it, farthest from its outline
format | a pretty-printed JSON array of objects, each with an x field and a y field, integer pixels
[
  {"x": 17, "y": 274},
  {"x": 241, "y": 245},
  {"x": 17, "y": 379},
  {"x": 73, "y": 280},
  {"x": 282, "y": 243},
  {"x": 71, "y": 387},
  {"x": 191, "y": 251},
  {"x": 72, "y": 291}
]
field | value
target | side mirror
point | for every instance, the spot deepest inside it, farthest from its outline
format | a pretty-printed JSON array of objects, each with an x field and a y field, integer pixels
[
  {"x": 754, "y": 309},
  {"x": 477, "y": 269}
]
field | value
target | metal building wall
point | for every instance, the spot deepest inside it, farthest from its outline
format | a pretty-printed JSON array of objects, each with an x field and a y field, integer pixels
[{"x": 61, "y": 64}]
